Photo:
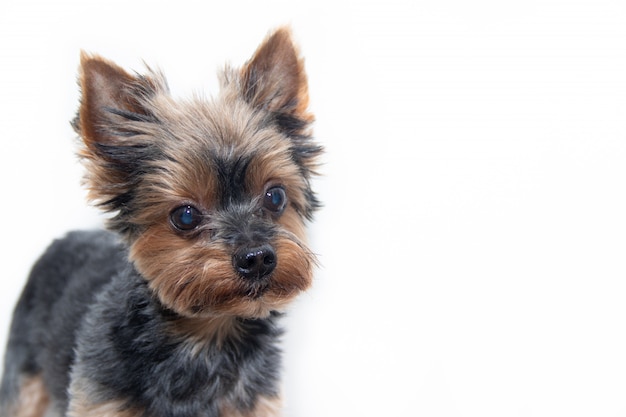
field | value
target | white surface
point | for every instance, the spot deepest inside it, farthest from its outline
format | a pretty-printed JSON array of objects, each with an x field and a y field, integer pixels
[{"x": 474, "y": 236}]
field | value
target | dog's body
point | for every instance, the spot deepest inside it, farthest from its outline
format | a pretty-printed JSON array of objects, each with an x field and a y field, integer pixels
[
  {"x": 84, "y": 293},
  {"x": 174, "y": 313}
]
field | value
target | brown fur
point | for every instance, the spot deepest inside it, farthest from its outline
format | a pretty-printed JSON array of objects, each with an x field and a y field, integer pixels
[
  {"x": 265, "y": 407},
  {"x": 81, "y": 406},
  {"x": 33, "y": 399},
  {"x": 199, "y": 280},
  {"x": 109, "y": 409}
]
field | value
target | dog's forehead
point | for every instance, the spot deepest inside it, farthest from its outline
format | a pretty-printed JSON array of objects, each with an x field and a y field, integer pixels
[
  {"x": 224, "y": 151},
  {"x": 225, "y": 127},
  {"x": 232, "y": 131}
]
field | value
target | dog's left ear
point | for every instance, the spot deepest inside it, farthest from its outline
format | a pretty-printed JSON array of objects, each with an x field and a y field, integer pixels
[{"x": 274, "y": 80}]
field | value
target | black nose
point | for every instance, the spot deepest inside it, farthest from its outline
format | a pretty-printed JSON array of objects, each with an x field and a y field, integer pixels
[{"x": 255, "y": 263}]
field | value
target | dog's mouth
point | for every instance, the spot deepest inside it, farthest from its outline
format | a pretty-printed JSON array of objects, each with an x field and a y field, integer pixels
[
  {"x": 248, "y": 290},
  {"x": 248, "y": 283},
  {"x": 258, "y": 289}
]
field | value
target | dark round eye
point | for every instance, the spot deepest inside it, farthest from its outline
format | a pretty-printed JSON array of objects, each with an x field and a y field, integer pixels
[
  {"x": 275, "y": 199},
  {"x": 186, "y": 217}
]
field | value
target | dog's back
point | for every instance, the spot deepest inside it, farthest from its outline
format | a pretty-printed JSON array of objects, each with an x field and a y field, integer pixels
[{"x": 61, "y": 286}]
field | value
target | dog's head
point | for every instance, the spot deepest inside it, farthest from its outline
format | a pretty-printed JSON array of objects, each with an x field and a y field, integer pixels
[{"x": 212, "y": 196}]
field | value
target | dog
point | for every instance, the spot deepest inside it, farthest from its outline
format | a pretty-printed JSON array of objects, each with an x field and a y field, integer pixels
[{"x": 173, "y": 310}]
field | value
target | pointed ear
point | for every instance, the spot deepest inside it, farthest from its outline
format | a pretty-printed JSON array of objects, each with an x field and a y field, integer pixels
[
  {"x": 112, "y": 120},
  {"x": 274, "y": 80},
  {"x": 110, "y": 97}
]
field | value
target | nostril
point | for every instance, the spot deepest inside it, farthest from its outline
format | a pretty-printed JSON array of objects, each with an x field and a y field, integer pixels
[
  {"x": 256, "y": 262},
  {"x": 269, "y": 259}
]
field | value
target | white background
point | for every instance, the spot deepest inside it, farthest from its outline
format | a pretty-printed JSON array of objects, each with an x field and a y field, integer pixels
[{"x": 473, "y": 239}]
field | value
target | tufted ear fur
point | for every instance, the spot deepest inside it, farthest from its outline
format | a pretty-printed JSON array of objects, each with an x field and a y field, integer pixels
[
  {"x": 110, "y": 97},
  {"x": 274, "y": 80},
  {"x": 113, "y": 115}
]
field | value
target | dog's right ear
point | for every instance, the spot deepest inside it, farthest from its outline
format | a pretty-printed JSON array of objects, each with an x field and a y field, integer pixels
[
  {"x": 110, "y": 98},
  {"x": 114, "y": 121}
]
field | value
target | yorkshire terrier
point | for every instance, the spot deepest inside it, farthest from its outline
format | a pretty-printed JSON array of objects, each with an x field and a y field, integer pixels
[{"x": 174, "y": 311}]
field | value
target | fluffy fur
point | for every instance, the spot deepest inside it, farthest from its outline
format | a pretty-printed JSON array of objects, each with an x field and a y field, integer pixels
[{"x": 174, "y": 311}]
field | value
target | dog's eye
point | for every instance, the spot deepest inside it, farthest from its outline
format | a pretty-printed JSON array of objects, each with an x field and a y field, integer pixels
[
  {"x": 275, "y": 199},
  {"x": 186, "y": 218}
]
